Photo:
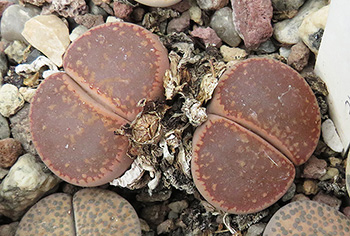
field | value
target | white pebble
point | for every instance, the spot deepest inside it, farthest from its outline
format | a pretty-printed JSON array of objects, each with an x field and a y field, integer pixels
[
  {"x": 330, "y": 136},
  {"x": 10, "y": 100}
]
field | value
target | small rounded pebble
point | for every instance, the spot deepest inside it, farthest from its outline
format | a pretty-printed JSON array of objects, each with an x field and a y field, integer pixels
[
  {"x": 10, "y": 150},
  {"x": 314, "y": 168},
  {"x": 310, "y": 187},
  {"x": 330, "y": 136}
]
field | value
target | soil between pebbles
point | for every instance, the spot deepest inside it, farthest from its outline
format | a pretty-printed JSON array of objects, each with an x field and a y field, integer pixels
[{"x": 170, "y": 211}]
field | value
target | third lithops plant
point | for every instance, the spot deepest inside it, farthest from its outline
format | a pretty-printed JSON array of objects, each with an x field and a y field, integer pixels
[{"x": 263, "y": 119}]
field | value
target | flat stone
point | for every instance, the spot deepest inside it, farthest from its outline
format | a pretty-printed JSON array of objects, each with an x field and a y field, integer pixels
[
  {"x": 299, "y": 56},
  {"x": 314, "y": 168},
  {"x": 4, "y": 128},
  {"x": 27, "y": 181},
  {"x": 252, "y": 20},
  {"x": 285, "y": 9},
  {"x": 10, "y": 150},
  {"x": 222, "y": 23},
  {"x": 330, "y": 136},
  {"x": 287, "y": 31},
  {"x": 232, "y": 54},
  {"x": 13, "y": 20},
  {"x": 211, "y": 4},
  {"x": 10, "y": 100},
  {"x": 21, "y": 131},
  {"x": 77, "y": 31},
  {"x": 49, "y": 35},
  {"x": 312, "y": 28}
]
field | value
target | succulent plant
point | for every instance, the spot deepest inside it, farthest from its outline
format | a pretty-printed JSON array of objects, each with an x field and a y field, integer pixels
[
  {"x": 306, "y": 218},
  {"x": 89, "y": 212},
  {"x": 73, "y": 114},
  {"x": 158, "y": 3},
  {"x": 263, "y": 118}
]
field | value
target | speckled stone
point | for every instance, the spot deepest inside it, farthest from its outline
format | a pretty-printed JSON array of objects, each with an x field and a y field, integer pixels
[
  {"x": 287, "y": 31},
  {"x": 222, "y": 23},
  {"x": 89, "y": 20},
  {"x": 27, "y": 181},
  {"x": 10, "y": 150},
  {"x": 13, "y": 20},
  {"x": 66, "y": 8},
  {"x": 207, "y": 35},
  {"x": 312, "y": 28},
  {"x": 10, "y": 100},
  {"x": 4, "y": 128},
  {"x": 310, "y": 187},
  {"x": 104, "y": 212},
  {"x": 21, "y": 131},
  {"x": 122, "y": 10},
  {"x": 309, "y": 217}
]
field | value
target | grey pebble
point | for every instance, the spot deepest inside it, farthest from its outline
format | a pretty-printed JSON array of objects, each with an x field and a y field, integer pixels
[
  {"x": 4, "y": 128},
  {"x": 256, "y": 230},
  {"x": 13, "y": 20},
  {"x": 222, "y": 23}
]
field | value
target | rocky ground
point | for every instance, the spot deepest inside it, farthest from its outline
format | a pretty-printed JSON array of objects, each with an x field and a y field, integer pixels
[{"x": 205, "y": 36}]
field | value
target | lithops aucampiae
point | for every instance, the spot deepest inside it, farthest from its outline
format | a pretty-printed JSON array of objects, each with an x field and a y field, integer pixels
[
  {"x": 74, "y": 113},
  {"x": 263, "y": 119},
  {"x": 308, "y": 218},
  {"x": 89, "y": 212}
]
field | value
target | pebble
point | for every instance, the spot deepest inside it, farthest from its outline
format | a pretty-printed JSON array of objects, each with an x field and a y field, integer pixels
[
  {"x": 155, "y": 197},
  {"x": 330, "y": 174},
  {"x": 286, "y": 31},
  {"x": 3, "y": 173},
  {"x": 27, "y": 93},
  {"x": 196, "y": 14},
  {"x": 10, "y": 150},
  {"x": 256, "y": 229},
  {"x": 232, "y": 54},
  {"x": 266, "y": 47},
  {"x": 49, "y": 35},
  {"x": 312, "y": 28},
  {"x": 299, "y": 56},
  {"x": 327, "y": 199},
  {"x": 346, "y": 211},
  {"x": 155, "y": 214},
  {"x": 21, "y": 131},
  {"x": 9, "y": 229},
  {"x": 330, "y": 136},
  {"x": 66, "y": 8},
  {"x": 208, "y": 36},
  {"x": 252, "y": 20},
  {"x": 10, "y": 100},
  {"x": 111, "y": 19},
  {"x": 122, "y": 10},
  {"x": 165, "y": 227},
  {"x": 89, "y": 20},
  {"x": 98, "y": 10},
  {"x": 310, "y": 187},
  {"x": 335, "y": 161},
  {"x": 290, "y": 193},
  {"x": 13, "y": 20},
  {"x": 178, "y": 206},
  {"x": 179, "y": 24},
  {"x": 314, "y": 168},
  {"x": 17, "y": 51},
  {"x": 27, "y": 181},
  {"x": 76, "y": 32},
  {"x": 222, "y": 23},
  {"x": 284, "y": 9},
  {"x": 285, "y": 51},
  {"x": 211, "y": 4},
  {"x": 3, "y": 65},
  {"x": 4, "y": 128},
  {"x": 182, "y": 6}
]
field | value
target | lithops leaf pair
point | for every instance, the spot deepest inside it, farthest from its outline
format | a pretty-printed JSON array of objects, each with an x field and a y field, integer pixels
[
  {"x": 74, "y": 114},
  {"x": 307, "y": 218},
  {"x": 263, "y": 119},
  {"x": 88, "y": 212},
  {"x": 158, "y": 3}
]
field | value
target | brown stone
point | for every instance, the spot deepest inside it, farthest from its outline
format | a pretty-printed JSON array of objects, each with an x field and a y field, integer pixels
[
  {"x": 299, "y": 56},
  {"x": 122, "y": 10},
  {"x": 10, "y": 150},
  {"x": 315, "y": 168}
]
